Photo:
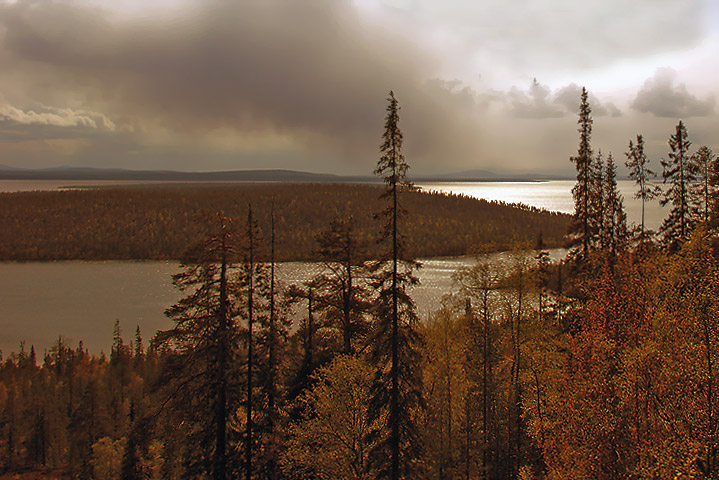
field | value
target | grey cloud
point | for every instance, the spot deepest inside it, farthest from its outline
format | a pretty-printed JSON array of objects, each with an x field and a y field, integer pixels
[
  {"x": 276, "y": 84},
  {"x": 313, "y": 74},
  {"x": 533, "y": 103},
  {"x": 662, "y": 97},
  {"x": 569, "y": 96},
  {"x": 305, "y": 69},
  {"x": 539, "y": 102},
  {"x": 566, "y": 35}
]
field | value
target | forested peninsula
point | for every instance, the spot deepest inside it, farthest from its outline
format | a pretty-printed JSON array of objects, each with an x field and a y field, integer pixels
[{"x": 158, "y": 222}]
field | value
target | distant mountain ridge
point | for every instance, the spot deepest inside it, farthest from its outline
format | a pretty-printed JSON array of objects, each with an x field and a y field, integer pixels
[
  {"x": 87, "y": 173},
  {"x": 259, "y": 175}
]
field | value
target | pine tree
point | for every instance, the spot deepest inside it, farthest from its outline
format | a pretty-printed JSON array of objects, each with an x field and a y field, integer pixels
[
  {"x": 597, "y": 203},
  {"x": 580, "y": 230},
  {"x": 139, "y": 345},
  {"x": 395, "y": 342},
  {"x": 679, "y": 174},
  {"x": 201, "y": 376},
  {"x": 542, "y": 258},
  {"x": 615, "y": 218},
  {"x": 479, "y": 284},
  {"x": 341, "y": 293},
  {"x": 639, "y": 171},
  {"x": 302, "y": 378},
  {"x": 272, "y": 320},
  {"x": 255, "y": 286},
  {"x": 702, "y": 163},
  {"x": 714, "y": 192}
]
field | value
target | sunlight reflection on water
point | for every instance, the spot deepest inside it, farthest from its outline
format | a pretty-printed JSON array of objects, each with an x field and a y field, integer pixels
[{"x": 554, "y": 195}]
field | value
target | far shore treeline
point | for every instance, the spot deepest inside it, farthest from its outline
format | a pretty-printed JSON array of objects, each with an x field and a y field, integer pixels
[{"x": 158, "y": 222}]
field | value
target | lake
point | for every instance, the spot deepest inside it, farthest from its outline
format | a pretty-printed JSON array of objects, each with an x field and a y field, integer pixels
[
  {"x": 82, "y": 300},
  {"x": 555, "y": 195}
]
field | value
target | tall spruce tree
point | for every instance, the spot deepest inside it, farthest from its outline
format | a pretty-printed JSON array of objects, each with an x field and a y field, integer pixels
[
  {"x": 714, "y": 192},
  {"x": 640, "y": 172},
  {"x": 597, "y": 203},
  {"x": 201, "y": 377},
  {"x": 679, "y": 174},
  {"x": 581, "y": 227},
  {"x": 254, "y": 282},
  {"x": 395, "y": 342},
  {"x": 615, "y": 217},
  {"x": 273, "y": 323},
  {"x": 702, "y": 163}
]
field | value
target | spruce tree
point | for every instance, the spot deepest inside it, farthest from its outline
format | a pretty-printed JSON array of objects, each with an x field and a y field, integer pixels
[
  {"x": 640, "y": 172},
  {"x": 597, "y": 211},
  {"x": 714, "y": 192},
  {"x": 581, "y": 227},
  {"x": 395, "y": 342},
  {"x": 341, "y": 292},
  {"x": 200, "y": 376},
  {"x": 254, "y": 284},
  {"x": 679, "y": 174},
  {"x": 702, "y": 163},
  {"x": 615, "y": 218},
  {"x": 274, "y": 324}
]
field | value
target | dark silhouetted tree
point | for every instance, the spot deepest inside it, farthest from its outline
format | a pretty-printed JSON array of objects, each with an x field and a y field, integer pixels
[
  {"x": 342, "y": 296},
  {"x": 581, "y": 228},
  {"x": 201, "y": 377},
  {"x": 639, "y": 171},
  {"x": 597, "y": 204},
  {"x": 615, "y": 218},
  {"x": 255, "y": 283},
  {"x": 702, "y": 163},
  {"x": 679, "y": 174},
  {"x": 395, "y": 343}
]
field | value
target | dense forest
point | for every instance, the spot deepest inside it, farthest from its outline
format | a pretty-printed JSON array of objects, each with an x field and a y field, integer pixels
[
  {"x": 144, "y": 223},
  {"x": 602, "y": 366}
]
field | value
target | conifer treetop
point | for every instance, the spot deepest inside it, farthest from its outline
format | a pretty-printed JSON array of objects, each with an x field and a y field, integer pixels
[{"x": 392, "y": 166}]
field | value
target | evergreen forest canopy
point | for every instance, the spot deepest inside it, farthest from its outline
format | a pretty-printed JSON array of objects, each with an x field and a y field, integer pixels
[
  {"x": 602, "y": 366},
  {"x": 158, "y": 223}
]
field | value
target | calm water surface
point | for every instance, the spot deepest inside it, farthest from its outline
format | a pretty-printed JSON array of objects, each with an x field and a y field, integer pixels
[
  {"x": 555, "y": 195},
  {"x": 82, "y": 300},
  {"x": 45, "y": 185}
]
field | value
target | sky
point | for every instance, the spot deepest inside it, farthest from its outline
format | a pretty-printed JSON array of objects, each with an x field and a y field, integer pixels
[{"x": 214, "y": 85}]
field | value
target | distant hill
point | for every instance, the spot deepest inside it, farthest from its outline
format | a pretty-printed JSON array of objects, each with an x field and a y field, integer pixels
[
  {"x": 84, "y": 173},
  {"x": 5, "y": 168},
  {"x": 263, "y": 175}
]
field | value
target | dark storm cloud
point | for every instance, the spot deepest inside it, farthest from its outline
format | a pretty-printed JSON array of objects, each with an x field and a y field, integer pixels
[
  {"x": 311, "y": 70},
  {"x": 303, "y": 84},
  {"x": 663, "y": 97}
]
